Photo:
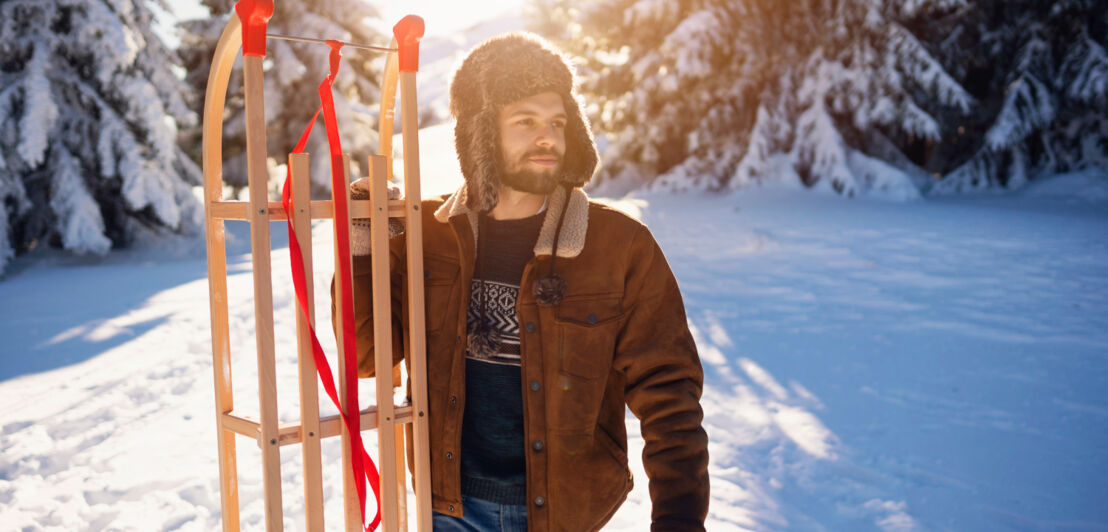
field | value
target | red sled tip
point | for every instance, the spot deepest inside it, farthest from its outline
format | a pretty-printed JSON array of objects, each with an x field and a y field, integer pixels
[
  {"x": 254, "y": 15},
  {"x": 408, "y": 32}
]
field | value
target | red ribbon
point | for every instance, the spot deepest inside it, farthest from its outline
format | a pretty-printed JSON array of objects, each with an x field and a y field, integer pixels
[{"x": 364, "y": 469}]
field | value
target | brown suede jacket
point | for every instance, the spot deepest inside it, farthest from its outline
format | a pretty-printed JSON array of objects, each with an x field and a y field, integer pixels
[{"x": 619, "y": 337}]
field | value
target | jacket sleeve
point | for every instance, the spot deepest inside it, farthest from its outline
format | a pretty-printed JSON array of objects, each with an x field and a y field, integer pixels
[
  {"x": 664, "y": 380},
  {"x": 363, "y": 307}
]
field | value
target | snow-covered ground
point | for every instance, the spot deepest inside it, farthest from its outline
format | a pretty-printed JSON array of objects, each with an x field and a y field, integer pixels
[{"x": 933, "y": 365}]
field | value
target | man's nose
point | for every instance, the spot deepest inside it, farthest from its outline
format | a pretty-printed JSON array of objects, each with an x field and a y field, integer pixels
[{"x": 547, "y": 136}]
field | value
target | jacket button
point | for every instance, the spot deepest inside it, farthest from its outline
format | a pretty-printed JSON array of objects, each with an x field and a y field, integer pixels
[
  {"x": 453, "y": 399},
  {"x": 537, "y": 446},
  {"x": 539, "y": 501},
  {"x": 451, "y": 507},
  {"x": 530, "y": 326},
  {"x": 449, "y": 455},
  {"x": 535, "y": 386},
  {"x": 426, "y": 274},
  {"x": 592, "y": 318}
]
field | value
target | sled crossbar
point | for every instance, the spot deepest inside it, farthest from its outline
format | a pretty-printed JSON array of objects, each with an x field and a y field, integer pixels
[
  {"x": 391, "y": 421},
  {"x": 329, "y": 426},
  {"x": 320, "y": 210}
]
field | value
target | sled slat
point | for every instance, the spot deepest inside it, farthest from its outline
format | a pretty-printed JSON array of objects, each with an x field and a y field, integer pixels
[
  {"x": 353, "y": 514},
  {"x": 263, "y": 289},
  {"x": 382, "y": 335},
  {"x": 416, "y": 319},
  {"x": 308, "y": 428}
]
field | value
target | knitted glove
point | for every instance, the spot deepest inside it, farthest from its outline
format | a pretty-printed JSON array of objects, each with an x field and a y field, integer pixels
[{"x": 359, "y": 232}]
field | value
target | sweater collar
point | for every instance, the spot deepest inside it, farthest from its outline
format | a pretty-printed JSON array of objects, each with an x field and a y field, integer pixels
[{"x": 570, "y": 243}]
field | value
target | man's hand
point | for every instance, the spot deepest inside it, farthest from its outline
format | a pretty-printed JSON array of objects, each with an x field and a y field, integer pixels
[
  {"x": 360, "y": 236},
  {"x": 359, "y": 190}
]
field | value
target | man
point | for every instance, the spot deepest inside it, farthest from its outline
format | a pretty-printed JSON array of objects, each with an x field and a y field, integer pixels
[{"x": 546, "y": 314}]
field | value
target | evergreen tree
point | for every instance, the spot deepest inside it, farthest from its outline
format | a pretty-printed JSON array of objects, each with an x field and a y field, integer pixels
[
  {"x": 89, "y": 110},
  {"x": 1040, "y": 70},
  {"x": 293, "y": 73},
  {"x": 710, "y": 94}
]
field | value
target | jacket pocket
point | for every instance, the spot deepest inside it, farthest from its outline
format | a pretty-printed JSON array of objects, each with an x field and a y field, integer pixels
[
  {"x": 617, "y": 451},
  {"x": 587, "y": 331},
  {"x": 440, "y": 284},
  {"x": 589, "y": 480}
]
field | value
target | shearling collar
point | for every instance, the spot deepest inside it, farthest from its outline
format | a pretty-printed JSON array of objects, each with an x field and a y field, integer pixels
[{"x": 570, "y": 243}]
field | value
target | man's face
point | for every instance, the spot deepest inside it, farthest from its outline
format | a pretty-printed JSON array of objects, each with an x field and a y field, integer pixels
[{"x": 533, "y": 142}]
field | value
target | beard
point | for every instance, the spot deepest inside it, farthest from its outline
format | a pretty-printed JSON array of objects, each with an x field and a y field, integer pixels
[
  {"x": 524, "y": 179},
  {"x": 531, "y": 181}
]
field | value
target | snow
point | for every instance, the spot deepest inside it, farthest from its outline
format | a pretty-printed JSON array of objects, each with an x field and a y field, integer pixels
[
  {"x": 1090, "y": 81},
  {"x": 82, "y": 227},
  {"x": 41, "y": 111},
  {"x": 870, "y": 365},
  {"x": 1081, "y": 187},
  {"x": 1027, "y": 108},
  {"x": 677, "y": 109},
  {"x": 89, "y": 106}
]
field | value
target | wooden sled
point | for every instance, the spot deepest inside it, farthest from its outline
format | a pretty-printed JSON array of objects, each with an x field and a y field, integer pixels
[{"x": 387, "y": 418}]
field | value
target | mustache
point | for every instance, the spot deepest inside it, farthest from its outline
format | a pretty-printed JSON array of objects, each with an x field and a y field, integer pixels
[{"x": 533, "y": 153}]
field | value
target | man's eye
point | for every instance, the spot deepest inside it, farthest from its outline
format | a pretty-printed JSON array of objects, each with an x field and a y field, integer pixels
[
  {"x": 559, "y": 124},
  {"x": 526, "y": 122}
]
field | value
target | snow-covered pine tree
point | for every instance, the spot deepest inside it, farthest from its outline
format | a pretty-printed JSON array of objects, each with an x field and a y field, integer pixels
[
  {"x": 709, "y": 94},
  {"x": 1040, "y": 70},
  {"x": 89, "y": 110},
  {"x": 293, "y": 73}
]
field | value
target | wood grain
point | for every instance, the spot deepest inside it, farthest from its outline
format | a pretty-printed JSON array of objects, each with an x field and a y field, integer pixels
[
  {"x": 300, "y": 175},
  {"x": 212, "y": 145}
]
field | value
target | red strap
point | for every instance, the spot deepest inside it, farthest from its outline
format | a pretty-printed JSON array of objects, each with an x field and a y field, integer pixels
[{"x": 363, "y": 467}]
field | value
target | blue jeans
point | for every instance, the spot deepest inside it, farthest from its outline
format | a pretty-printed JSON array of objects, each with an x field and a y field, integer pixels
[{"x": 482, "y": 516}]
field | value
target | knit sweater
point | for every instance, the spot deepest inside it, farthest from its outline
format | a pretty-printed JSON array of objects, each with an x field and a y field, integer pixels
[{"x": 493, "y": 466}]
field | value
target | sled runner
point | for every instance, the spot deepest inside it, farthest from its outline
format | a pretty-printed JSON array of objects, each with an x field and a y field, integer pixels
[{"x": 247, "y": 31}]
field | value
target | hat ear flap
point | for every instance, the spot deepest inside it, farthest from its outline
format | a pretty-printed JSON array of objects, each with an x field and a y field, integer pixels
[
  {"x": 463, "y": 146},
  {"x": 581, "y": 156},
  {"x": 483, "y": 150}
]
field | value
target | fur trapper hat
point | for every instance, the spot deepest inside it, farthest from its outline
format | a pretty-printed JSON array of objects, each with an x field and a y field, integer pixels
[{"x": 499, "y": 71}]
